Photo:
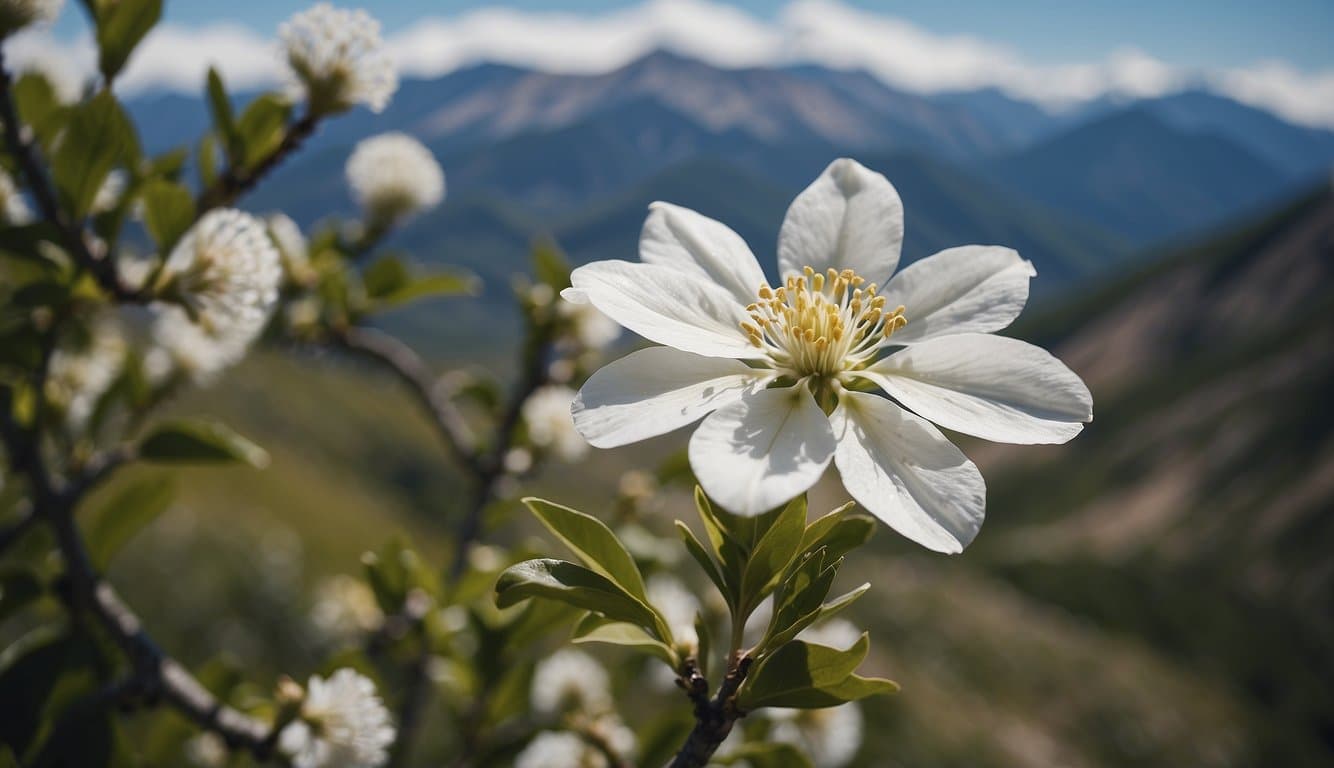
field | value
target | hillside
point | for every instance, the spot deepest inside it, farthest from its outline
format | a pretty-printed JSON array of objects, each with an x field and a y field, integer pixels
[
  {"x": 1193, "y": 512},
  {"x": 1133, "y": 174}
]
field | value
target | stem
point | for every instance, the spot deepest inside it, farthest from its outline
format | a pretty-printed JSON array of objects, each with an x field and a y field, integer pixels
[
  {"x": 44, "y": 194},
  {"x": 418, "y": 377},
  {"x": 713, "y": 717},
  {"x": 234, "y": 182}
]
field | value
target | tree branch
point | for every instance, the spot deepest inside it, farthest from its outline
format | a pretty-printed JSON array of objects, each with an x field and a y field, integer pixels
[
  {"x": 234, "y": 182},
  {"x": 713, "y": 717},
  {"x": 44, "y": 194},
  {"x": 418, "y": 377}
]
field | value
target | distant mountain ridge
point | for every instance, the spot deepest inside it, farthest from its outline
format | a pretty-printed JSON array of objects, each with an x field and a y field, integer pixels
[{"x": 530, "y": 153}]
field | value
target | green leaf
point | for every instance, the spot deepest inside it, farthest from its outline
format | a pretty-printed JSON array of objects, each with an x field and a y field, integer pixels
[
  {"x": 775, "y": 550},
  {"x": 597, "y": 629},
  {"x": 124, "y": 515},
  {"x": 201, "y": 441},
  {"x": 731, "y": 556},
  {"x": 386, "y": 275},
  {"x": 838, "y": 532},
  {"x": 707, "y": 563},
  {"x": 437, "y": 284},
  {"x": 262, "y": 127},
  {"x": 169, "y": 210},
  {"x": 393, "y": 572},
  {"x": 224, "y": 120},
  {"x": 35, "y": 100},
  {"x": 592, "y": 542},
  {"x": 206, "y": 159},
  {"x": 551, "y": 266},
  {"x": 97, "y": 137},
  {"x": 797, "y": 602},
  {"x": 120, "y": 28},
  {"x": 573, "y": 585},
  {"x": 808, "y": 676},
  {"x": 759, "y": 754}
]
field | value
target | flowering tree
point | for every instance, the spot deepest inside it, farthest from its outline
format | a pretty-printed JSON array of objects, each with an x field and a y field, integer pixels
[{"x": 844, "y": 362}]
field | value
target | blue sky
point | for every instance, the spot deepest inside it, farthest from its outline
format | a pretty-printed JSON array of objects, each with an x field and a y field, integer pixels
[{"x": 1201, "y": 33}]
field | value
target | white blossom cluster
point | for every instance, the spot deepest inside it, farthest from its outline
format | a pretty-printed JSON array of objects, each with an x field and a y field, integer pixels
[
  {"x": 342, "y": 724},
  {"x": 589, "y": 328},
  {"x": 393, "y": 176},
  {"x": 292, "y": 247},
  {"x": 345, "y": 608},
  {"x": 14, "y": 209},
  {"x": 78, "y": 376},
  {"x": 570, "y": 680},
  {"x": 226, "y": 270},
  {"x": 17, "y": 14},
  {"x": 546, "y": 412},
  {"x": 678, "y": 605},
  {"x": 830, "y": 737},
  {"x": 338, "y": 59}
]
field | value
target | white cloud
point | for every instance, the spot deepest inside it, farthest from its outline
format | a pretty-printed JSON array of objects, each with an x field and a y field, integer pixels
[{"x": 825, "y": 32}]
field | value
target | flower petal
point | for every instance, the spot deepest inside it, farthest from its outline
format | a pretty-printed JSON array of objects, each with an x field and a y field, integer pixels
[
  {"x": 683, "y": 239},
  {"x": 970, "y": 289},
  {"x": 667, "y": 306},
  {"x": 992, "y": 387},
  {"x": 656, "y": 390},
  {"x": 905, "y": 472},
  {"x": 762, "y": 450},
  {"x": 849, "y": 218}
]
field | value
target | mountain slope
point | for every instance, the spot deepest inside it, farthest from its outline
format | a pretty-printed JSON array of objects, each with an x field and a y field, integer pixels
[
  {"x": 1137, "y": 176},
  {"x": 1194, "y": 510}
]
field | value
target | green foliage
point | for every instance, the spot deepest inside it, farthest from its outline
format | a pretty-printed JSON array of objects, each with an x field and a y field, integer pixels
[
  {"x": 169, "y": 210},
  {"x": 592, "y": 542},
  {"x": 97, "y": 137},
  {"x": 120, "y": 27},
  {"x": 261, "y": 128},
  {"x": 125, "y": 514},
  {"x": 200, "y": 442},
  {"x": 803, "y": 675},
  {"x": 390, "y": 282},
  {"x": 579, "y": 587}
]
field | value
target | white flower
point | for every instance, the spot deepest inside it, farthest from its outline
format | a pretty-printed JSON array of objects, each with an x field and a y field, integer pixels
[
  {"x": 343, "y": 724},
  {"x": 830, "y": 737},
  {"x": 108, "y": 195},
  {"x": 590, "y": 328},
  {"x": 786, "y": 376},
  {"x": 13, "y": 208},
  {"x": 338, "y": 59},
  {"x": 550, "y": 425},
  {"x": 559, "y": 749},
  {"x": 677, "y": 604},
  {"x": 78, "y": 376},
  {"x": 180, "y": 344},
  {"x": 227, "y": 271},
  {"x": 17, "y": 14},
  {"x": 345, "y": 608},
  {"x": 393, "y": 175},
  {"x": 292, "y": 247},
  {"x": 570, "y": 679},
  {"x": 206, "y": 750}
]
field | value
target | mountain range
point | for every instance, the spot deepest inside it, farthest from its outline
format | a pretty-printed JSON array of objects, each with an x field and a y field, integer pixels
[{"x": 1082, "y": 193}]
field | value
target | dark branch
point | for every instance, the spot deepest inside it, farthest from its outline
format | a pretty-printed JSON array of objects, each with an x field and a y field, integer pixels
[
  {"x": 418, "y": 377},
  {"x": 713, "y": 717},
  {"x": 44, "y": 194},
  {"x": 234, "y": 182}
]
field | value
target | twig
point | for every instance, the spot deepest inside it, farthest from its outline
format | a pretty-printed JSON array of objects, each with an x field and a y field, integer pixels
[
  {"x": 71, "y": 233},
  {"x": 410, "y": 369},
  {"x": 713, "y": 717},
  {"x": 490, "y": 468},
  {"x": 234, "y": 182}
]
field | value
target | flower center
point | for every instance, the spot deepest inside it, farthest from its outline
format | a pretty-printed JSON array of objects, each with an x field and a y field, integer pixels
[{"x": 821, "y": 324}]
